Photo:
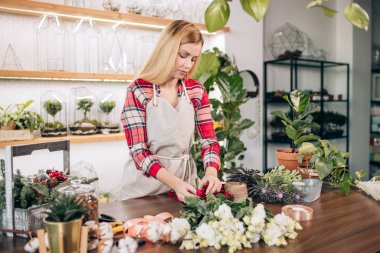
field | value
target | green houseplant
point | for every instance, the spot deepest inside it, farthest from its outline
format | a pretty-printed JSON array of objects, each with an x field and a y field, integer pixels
[
  {"x": 297, "y": 127},
  {"x": 217, "y": 70},
  {"x": 18, "y": 117},
  {"x": 329, "y": 162},
  {"x": 64, "y": 223}
]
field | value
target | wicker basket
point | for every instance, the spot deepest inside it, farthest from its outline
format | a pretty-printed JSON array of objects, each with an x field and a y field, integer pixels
[
  {"x": 15, "y": 135},
  {"x": 29, "y": 219}
]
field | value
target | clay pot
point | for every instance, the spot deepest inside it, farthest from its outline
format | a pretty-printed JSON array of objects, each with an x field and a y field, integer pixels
[
  {"x": 11, "y": 125},
  {"x": 288, "y": 159}
]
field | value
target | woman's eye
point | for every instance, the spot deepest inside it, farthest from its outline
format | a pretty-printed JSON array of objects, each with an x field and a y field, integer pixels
[{"x": 182, "y": 56}]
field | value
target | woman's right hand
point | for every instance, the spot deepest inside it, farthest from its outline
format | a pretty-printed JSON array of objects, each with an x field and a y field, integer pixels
[{"x": 183, "y": 189}]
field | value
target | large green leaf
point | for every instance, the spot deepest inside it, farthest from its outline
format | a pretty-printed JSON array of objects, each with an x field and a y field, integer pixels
[
  {"x": 324, "y": 167},
  {"x": 300, "y": 100},
  {"x": 306, "y": 138},
  {"x": 311, "y": 108},
  {"x": 255, "y": 8},
  {"x": 307, "y": 148},
  {"x": 282, "y": 116},
  {"x": 357, "y": 16},
  {"x": 217, "y": 15},
  {"x": 291, "y": 132},
  {"x": 245, "y": 123},
  {"x": 209, "y": 64}
]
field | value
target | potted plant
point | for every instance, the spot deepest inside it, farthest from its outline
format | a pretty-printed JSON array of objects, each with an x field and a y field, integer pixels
[
  {"x": 297, "y": 127},
  {"x": 56, "y": 128},
  {"x": 17, "y": 117},
  {"x": 6, "y": 120},
  {"x": 329, "y": 162},
  {"x": 64, "y": 223}
]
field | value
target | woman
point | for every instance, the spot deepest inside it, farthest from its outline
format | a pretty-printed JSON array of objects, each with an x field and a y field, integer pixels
[{"x": 162, "y": 109}]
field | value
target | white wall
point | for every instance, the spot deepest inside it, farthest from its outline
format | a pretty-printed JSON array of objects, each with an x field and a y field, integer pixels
[
  {"x": 360, "y": 95},
  {"x": 245, "y": 43}
]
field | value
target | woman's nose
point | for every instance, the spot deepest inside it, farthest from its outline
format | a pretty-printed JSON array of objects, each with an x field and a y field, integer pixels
[{"x": 188, "y": 63}]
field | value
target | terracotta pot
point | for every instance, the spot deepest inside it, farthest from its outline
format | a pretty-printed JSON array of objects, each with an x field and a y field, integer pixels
[
  {"x": 11, "y": 125},
  {"x": 289, "y": 160}
]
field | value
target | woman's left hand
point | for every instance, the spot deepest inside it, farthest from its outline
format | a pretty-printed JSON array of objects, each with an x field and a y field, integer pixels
[{"x": 211, "y": 179}]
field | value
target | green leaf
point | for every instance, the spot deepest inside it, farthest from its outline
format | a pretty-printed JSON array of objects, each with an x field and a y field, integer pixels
[
  {"x": 324, "y": 167},
  {"x": 282, "y": 116},
  {"x": 207, "y": 67},
  {"x": 300, "y": 100},
  {"x": 306, "y": 138},
  {"x": 307, "y": 148},
  {"x": 255, "y": 8},
  {"x": 291, "y": 132},
  {"x": 217, "y": 15},
  {"x": 357, "y": 16},
  {"x": 360, "y": 174}
]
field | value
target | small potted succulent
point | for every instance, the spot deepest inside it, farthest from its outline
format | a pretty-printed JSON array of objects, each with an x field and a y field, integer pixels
[
  {"x": 297, "y": 127},
  {"x": 53, "y": 110},
  {"x": 64, "y": 223}
]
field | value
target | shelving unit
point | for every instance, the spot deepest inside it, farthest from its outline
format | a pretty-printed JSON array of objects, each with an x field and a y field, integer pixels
[
  {"x": 295, "y": 65},
  {"x": 374, "y": 133},
  {"x": 71, "y": 138},
  {"x": 36, "y": 8},
  {"x": 64, "y": 76}
]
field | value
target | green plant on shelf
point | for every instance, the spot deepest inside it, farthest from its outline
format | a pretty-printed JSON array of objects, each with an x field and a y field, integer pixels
[
  {"x": 20, "y": 118},
  {"x": 52, "y": 107},
  {"x": 301, "y": 121},
  {"x": 107, "y": 107},
  {"x": 85, "y": 105}
]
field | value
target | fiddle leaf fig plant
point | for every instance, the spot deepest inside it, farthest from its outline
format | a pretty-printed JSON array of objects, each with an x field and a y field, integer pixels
[
  {"x": 330, "y": 163},
  {"x": 217, "y": 70},
  {"x": 301, "y": 120},
  {"x": 218, "y": 12}
]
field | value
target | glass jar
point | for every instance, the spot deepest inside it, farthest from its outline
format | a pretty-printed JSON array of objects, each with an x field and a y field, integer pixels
[
  {"x": 86, "y": 196},
  {"x": 109, "y": 122},
  {"x": 53, "y": 111},
  {"x": 83, "y": 112}
]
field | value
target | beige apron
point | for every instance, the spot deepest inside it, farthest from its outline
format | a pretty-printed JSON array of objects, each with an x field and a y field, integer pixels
[{"x": 170, "y": 136}]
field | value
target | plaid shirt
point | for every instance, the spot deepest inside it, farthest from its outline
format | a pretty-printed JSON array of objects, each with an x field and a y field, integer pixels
[{"x": 133, "y": 117}]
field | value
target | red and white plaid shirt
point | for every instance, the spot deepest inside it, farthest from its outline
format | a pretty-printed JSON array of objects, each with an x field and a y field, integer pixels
[{"x": 133, "y": 117}]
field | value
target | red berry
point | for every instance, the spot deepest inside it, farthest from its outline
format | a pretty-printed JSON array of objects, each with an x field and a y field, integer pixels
[
  {"x": 227, "y": 194},
  {"x": 51, "y": 175}
]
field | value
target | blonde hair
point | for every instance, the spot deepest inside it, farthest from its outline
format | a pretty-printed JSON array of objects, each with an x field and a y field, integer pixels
[{"x": 160, "y": 65}]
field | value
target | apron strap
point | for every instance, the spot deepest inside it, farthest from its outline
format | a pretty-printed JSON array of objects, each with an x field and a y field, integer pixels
[
  {"x": 154, "y": 95},
  {"x": 186, "y": 94}
]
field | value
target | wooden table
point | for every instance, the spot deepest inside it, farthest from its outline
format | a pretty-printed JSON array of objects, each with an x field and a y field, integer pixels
[{"x": 340, "y": 224}]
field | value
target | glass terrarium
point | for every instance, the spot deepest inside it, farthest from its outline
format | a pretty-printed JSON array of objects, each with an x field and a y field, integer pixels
[
  {"x": 107, "y": 112},
  {"x": 53, "y": 111},
  {"x": 83, "y": 116}
]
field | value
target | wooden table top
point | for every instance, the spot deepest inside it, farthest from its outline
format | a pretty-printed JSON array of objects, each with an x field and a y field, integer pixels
[{"x": 340, "y": 224}]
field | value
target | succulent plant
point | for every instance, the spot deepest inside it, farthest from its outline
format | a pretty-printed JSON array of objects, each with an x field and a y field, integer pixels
[{"x": 65, "y": 208}]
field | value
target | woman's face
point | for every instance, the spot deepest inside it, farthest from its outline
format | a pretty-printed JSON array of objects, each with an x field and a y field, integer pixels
[{"x": 187, "y": 55}]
